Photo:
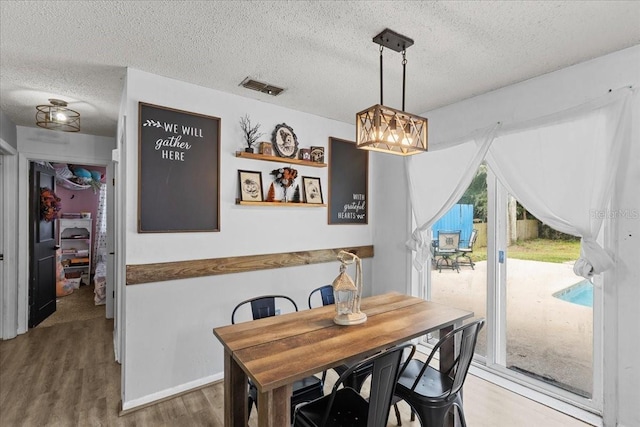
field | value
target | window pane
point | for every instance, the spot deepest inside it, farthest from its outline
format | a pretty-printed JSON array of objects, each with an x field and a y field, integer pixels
[
  {"x": 549, "y": 310},
  {"x": 466, "y": 288}
]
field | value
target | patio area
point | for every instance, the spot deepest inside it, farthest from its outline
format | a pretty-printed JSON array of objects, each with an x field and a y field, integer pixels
[{"x": 547, "y": 338}]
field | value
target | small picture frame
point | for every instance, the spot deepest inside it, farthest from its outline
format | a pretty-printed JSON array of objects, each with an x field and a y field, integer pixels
[
  {"x": 304, "y": 154},
  {"x": 312, "y": 190},
  {"x": 317, "y": 154},
  {"x": 266, "y": 149},
  {"x": 285, "y": 141},
  {"x": 250, "y": 183}
]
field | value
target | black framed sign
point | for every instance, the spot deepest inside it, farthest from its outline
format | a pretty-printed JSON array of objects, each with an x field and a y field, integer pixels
[
  {"x": 178, "y": 171},
  {"x": 348, "y": 183}
]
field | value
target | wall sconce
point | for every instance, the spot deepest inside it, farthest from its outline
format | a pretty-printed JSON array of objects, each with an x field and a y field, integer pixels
[
  {"x": 385, "y": 129},
  {"x": 348, "y": 294},
  {"x": 57, "y": 116}
]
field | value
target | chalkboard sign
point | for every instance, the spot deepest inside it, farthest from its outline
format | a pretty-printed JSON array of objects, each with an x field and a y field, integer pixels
[
  {"x": 178, "y": 171},
  {"x": 348, "y": 183}
]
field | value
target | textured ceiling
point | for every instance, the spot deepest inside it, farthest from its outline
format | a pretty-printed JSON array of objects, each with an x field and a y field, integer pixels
[{"x": 319, "y": 51}]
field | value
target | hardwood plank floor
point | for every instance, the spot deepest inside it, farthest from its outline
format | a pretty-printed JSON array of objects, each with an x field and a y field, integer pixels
[{"x": 65, "y": 375}]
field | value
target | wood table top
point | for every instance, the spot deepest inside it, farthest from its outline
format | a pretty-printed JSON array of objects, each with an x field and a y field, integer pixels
[{"x": 279, "y": 350}]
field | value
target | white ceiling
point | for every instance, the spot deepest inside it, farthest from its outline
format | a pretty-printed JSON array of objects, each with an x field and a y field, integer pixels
[{"x": 321, "y": 52}]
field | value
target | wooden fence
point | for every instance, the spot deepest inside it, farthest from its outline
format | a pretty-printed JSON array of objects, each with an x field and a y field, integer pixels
[{"x": 526, "y": 229}]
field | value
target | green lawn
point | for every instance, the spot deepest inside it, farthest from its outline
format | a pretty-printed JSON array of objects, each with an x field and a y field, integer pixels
[{"x": 538, "y": 250}]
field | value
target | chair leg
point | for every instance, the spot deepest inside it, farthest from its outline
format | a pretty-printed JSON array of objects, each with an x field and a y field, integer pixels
[
  {"x": 471, "y": 263},
  {"x": 463, "y": 422},
  {"x": 398, "y": 419}
]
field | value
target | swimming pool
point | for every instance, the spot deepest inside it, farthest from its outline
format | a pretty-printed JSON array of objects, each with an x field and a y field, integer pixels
[{"x": 581, "y": 293}]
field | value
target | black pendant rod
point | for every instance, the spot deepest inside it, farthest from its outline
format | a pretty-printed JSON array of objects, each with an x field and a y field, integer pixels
[
  {"x": 381, "y": 48},
  {"x": 404, "y": 75}
]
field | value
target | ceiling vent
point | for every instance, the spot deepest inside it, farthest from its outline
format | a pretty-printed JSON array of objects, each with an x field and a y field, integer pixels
[{"x": 261, "y": 87}]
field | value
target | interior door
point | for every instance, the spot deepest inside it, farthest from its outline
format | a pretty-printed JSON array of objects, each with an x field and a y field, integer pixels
[{"x": 42, "y": 249}]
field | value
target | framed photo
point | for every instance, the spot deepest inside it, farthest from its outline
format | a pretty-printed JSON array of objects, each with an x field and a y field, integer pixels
[
  {"x": 285, "y": 141},
  {"x": 317, "y": 154},
  {"x": 250, "y": 186},
  {"x": 305, "y": 154},
  {"x": 265, "y": 148},
  {"x": 312, "y": 190}
]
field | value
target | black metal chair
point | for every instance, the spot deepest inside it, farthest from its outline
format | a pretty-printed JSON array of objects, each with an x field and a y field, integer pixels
[
  {"x": 447, "y": 250},
  {"x": 326, "y": 295},
  {"x": 465, "y": 251},
  {"x": 359, "y": 376},
  {"x": 346, "y": 407},
  {"x": 304, "y": 390},
  {"x": 431, "y": 393}
]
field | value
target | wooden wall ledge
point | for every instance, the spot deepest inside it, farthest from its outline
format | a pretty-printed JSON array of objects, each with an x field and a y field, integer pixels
[{"x": 159, "y": 272}]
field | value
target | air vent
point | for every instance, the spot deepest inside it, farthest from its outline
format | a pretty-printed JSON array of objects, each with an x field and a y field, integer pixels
[{"x": 261, "y": 87}]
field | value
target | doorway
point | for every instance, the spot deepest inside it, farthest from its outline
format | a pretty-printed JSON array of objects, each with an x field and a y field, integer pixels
[{"x": 79, "y": 289}]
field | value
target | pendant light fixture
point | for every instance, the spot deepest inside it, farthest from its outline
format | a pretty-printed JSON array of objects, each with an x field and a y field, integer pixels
[
  {"x": 385, "y": 129},
  {"x": 57, "y": 116}
]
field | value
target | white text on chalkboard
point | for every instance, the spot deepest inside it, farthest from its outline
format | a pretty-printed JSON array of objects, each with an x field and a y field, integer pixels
[
  {"x": 172, "y": 142},
  {"x": 174, "y": 127},
  {"x": 355, "y": 209}
]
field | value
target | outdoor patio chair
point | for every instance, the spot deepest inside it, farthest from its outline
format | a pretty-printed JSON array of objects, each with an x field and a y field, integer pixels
[
  {"x": 447, "y": 250},
  {"x": 465, "y": 251},
  {"x": 304, "y": 390},
  {"x": 432, "y": 393}
]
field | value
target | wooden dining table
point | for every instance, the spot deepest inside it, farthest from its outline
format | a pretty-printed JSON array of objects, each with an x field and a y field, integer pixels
[{"x": 276, "y": 351}]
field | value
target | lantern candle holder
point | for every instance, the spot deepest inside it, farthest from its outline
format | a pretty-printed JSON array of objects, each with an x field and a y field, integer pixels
[{"x": 348, "y": 294}]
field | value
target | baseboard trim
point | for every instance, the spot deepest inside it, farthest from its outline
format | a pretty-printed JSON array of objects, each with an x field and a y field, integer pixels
[{"x": 167, "y": 394}]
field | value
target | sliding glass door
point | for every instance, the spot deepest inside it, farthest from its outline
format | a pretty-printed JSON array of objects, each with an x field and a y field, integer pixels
[{"x": 541, "y": 317}]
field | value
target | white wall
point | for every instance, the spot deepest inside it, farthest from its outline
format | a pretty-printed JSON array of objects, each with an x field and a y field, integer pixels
[
  {"x": 8, "y": 130},
  {"x": 554, "y": 92},
  {"x": 168, "y": 328},
  {"x": 391, "y": 223}
]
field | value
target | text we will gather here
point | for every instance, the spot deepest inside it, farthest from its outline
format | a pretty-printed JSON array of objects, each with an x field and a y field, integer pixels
[{"x": 172, "y": 147}]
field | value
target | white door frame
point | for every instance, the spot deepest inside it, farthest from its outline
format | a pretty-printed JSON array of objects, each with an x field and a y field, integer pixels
[
  {"x": 563, "y": 400},
  {"x": 9, "y": 241},
  {"x": 21, "y": 297}
]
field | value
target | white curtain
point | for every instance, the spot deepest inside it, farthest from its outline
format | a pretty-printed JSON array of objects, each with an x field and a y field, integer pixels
[
  {"x": 100, "y": 239},
  {"x": 560, "y": 167},
  {"x": 437, "y": 180}
]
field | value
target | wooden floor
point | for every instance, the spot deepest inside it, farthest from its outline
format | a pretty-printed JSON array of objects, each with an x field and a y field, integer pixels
[{"x": 64, "y": 375}]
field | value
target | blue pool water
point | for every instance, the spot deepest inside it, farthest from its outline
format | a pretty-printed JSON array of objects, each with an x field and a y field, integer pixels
[{"x": 580, "y": 293}]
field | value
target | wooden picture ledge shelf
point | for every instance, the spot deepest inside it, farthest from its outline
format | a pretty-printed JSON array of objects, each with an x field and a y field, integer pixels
[
  {"x": 256, "y": 156},
  {"x": 281, "y": 204},
  {"x": 179, "y": 270}
]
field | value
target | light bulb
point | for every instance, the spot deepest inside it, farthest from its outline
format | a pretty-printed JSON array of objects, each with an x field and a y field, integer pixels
[{"x": 60, "y": 117}]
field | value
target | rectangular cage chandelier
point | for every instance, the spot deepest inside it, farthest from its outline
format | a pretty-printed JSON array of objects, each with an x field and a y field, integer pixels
[{"x": 385, "y": 129}]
